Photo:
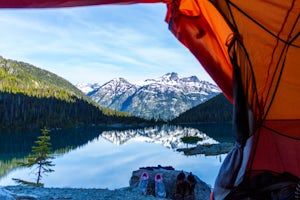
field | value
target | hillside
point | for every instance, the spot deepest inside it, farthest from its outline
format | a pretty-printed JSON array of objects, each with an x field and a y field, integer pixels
[
  {"x": 20, "y": 77},
  {"x": 31, "y": 98},
  {"x": 217, "y": 109}
]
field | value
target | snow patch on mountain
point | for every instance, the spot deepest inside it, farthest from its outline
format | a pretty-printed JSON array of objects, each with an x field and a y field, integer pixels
[
  {"x": 163, "y": 98},
  {"x": 87, "y": 87}
]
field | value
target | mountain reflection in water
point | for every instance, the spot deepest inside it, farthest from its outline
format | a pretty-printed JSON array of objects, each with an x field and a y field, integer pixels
[
  {"x": 105, "y": 158},
  {"x": 168, "y": 136}
]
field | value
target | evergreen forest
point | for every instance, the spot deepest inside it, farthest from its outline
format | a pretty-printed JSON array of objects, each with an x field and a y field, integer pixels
[
  {"x": 217, "y": 109},
  {"x": 32, "y": 98}
]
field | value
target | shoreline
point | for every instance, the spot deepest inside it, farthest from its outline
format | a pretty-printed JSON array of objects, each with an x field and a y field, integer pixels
[
  {"x": 40, "y": 193},
  {"x": 22, "y": 192}
]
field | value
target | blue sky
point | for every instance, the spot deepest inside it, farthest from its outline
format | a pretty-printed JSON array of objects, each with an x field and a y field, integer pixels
[{"x": 98, "y": 43}]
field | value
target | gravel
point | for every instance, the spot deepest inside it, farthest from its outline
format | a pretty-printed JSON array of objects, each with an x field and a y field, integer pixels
[{"x": 41, "y": 193}]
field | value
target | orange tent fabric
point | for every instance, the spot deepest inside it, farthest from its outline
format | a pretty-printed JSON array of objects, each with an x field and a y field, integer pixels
[
  {"x": 201, "y": 28},
  {"x": 264, "y": 44},
  {"x": 64, "y": 3},
  {"x": 268, "y": 59}
]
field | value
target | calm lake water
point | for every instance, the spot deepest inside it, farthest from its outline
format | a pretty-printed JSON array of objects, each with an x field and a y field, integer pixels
[{"x": 98, "y": 157}]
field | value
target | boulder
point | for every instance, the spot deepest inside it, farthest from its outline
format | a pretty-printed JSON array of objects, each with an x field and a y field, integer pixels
[
  {"x": 202, "y": 190},
  {"x": 5, "y": 195},
  {"x": 8, "y": 195}
]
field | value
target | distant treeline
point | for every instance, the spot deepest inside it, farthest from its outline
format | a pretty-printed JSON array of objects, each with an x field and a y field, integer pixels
[
  {"x": 217, "y": 109},
  {"x": 19, "y": 111}
]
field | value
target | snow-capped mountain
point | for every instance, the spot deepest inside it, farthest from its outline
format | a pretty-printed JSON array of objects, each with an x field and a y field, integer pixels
[
  {"x": 163, "y": 98},
  {"x": 114, "y": 93},
  {"x": 87, "y": 87}
]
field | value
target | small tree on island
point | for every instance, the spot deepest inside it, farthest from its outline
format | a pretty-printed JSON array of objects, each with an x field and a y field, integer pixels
[
  {"x": 41, "y": 157},
  {"x": 191, "y": 140}
]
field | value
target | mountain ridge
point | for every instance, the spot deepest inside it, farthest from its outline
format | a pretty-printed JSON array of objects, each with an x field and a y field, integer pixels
[
  {"x": 31, "y": 98},
  {"x": 162, "y": 98},
  {"x": 22, "y": 77}
]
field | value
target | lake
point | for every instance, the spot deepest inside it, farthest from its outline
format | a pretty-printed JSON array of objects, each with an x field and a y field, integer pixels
[{"x": 101, "y": 157}]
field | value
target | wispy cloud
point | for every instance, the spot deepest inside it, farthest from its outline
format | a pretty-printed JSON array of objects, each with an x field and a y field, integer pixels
[{"x": 96, "y": 44}]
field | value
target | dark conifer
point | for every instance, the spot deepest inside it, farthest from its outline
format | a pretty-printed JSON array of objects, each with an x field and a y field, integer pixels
[{"x": 41, "y": 158}]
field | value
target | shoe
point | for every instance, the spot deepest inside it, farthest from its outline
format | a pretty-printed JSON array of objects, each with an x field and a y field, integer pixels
[
  {"x": 180, "y": 187},
  {"x": 191, "y": 183},
  {"x": 142, "y": 187},
  {"x": 160, "y": 190}
]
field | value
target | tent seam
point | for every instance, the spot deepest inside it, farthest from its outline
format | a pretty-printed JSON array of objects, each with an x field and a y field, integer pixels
[{"x": 260, "y": 25}]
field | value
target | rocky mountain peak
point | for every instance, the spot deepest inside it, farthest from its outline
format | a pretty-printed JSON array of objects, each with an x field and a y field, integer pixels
[
  {"x": 170, "y": 77},
  {"x": 118, "y": 84},
  {"x": 193, "y": 79},
  {"x": 162, "y": 98}
]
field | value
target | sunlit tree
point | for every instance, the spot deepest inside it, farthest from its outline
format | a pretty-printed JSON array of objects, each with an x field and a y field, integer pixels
[{"x": 41, "y": 157}]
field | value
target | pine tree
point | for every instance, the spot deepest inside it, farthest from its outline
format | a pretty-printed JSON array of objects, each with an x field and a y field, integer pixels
[{"x": 41, "y": 158}]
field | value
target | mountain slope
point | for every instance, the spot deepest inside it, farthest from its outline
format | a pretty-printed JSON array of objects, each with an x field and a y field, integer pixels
[
  {"x": 113, "y": 93},
  {"x": 217, "y": 109},
  {"x": 20, "y": 77},
  {"x": 162, "y": 98},
  {"x": 31, "y": 98}
]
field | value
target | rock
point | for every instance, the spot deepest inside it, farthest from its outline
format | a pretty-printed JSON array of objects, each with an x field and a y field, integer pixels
[
  {"x": 8, "y": 195},
  {"x": 5, "y": 195},
  {"x": 202, "y": 190},
  {"x": 209, "y": 149},
  {"x": 25, "y": 197},
  {"x": 42, "y": 193}
]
